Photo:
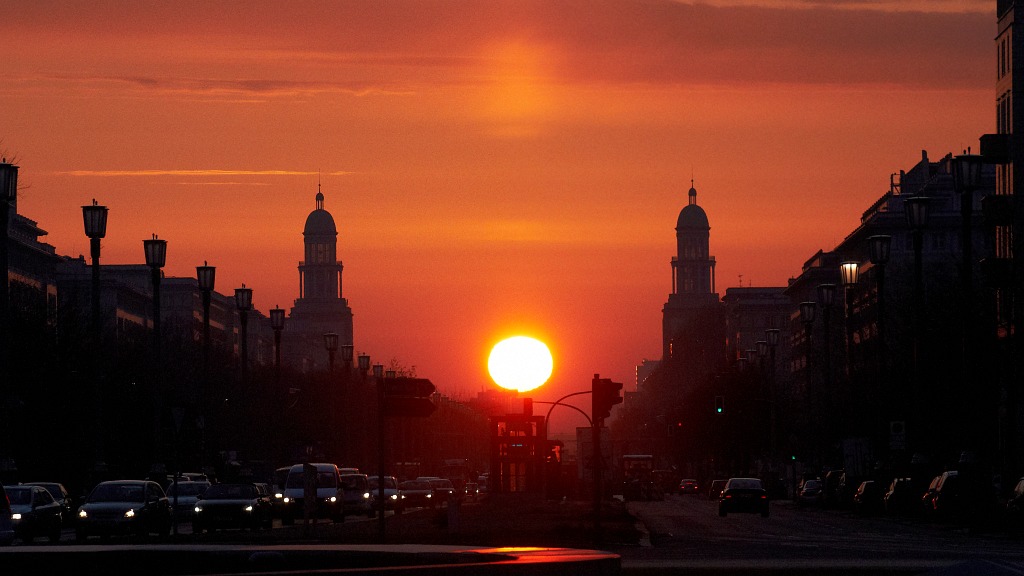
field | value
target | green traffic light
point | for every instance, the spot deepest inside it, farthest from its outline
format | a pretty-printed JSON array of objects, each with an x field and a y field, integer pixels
[{"x": 719, "y": 410}]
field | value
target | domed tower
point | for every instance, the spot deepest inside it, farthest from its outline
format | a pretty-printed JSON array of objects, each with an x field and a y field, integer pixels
[
  {"x": 694, "y": 270},
  {"x": 321, "y": 306},
  {"x": 693, "y": 321}
]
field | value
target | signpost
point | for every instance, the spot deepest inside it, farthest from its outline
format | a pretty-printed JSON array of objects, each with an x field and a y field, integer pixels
[{"x": 408, "y": 397}]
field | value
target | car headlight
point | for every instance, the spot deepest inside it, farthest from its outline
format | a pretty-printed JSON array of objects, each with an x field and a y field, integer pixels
[
  {"x": 82, "y": 513},
  {"x": 198, "y": 509},
  {"x": 130, "y": 513},
  {"x": 394, "y": 496},
  {"x": 286, "y": 499},
  {"x": 430, "y": 495},
  {"x": 366, "y": 495},
  {"x": 332, "y": 499},
  {"x": 248, "y": 508},
  {"x": 16, "y": 516},
  {"x": 279, "y": 496}
]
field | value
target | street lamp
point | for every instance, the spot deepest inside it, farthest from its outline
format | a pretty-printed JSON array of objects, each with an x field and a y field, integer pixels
[
  {"x": 205, "y": 276},
  {"x": 8, "y": 196},
  {"x": 916, "y": 210},
  {"x": 95, "y": 219},
  {"x": 243, "y": 301},
  {"x": 156, "y": 257},
  {"x": 331, "y": 344},
  {"x": 277, "y": 324},
  {"x": 967, "y": 170},
  {"x": 772, "y": 341},
  {"x": 851, "y": 276},
  {"x": 378, "y": 375},
  {"x": 808, "y": 310}
]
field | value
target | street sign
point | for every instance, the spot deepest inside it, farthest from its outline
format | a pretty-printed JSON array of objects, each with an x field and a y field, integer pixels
[
  {"x": 408, "y": 406},
  {"x": 415, "y": 387}
]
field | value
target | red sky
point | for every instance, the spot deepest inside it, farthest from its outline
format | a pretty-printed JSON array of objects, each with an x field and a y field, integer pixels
[{"x": 494, "y": 167}]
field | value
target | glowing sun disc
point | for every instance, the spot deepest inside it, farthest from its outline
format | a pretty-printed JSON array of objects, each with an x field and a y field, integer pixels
[{"x": 520, "y": 363}]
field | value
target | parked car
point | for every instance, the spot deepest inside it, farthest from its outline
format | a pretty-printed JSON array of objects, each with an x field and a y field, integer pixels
[
  {"x": 183, "y": 496},
  {"x": 810, "y": 493},
  {"x": 327, "y": 484},
  {"x": 901, "y": 497},
  {"x": 356, "y": 494},
  {"x": 831, "y": 489},
  {"x": 417, "y": 493},
  {"x": 60, "y": 494},
  {"x": 129, "y": 507},
  {"x": 715, "y": 491},
  {"x": 232, "y": 506},
  {"x": 689, "y": 486},
  {"x": 34, "y": 513},
  {"x": 6, "y": 524},
  {"x": 743, "y": 495},
  {"x": 868, "y": 497},
  {"x": 929, "y": 494},
  {"x": 1014, "y": 504},
  {"x": 946, "y": 500},
  {"x": 392, "y": 497}
]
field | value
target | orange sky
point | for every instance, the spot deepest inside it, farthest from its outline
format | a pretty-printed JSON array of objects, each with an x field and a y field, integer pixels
[{"x": 493, "y": 166}]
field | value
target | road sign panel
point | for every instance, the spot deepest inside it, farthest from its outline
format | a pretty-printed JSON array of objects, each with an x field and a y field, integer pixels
[
  {"x": 408, "y": 406},
  {"x": 415, "y": 387}
]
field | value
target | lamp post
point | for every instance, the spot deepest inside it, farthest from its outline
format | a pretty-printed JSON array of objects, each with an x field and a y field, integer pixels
[
  {"x": 851, "y": 276},
  {"x": 243, "y": 301},
  {"x": 8, "y": 196},
  {"x": 95, "y": 219},
  {"x": 378, "y": 375},
  {"x": 966, "y": 179},
  {"x": 156, "y": 257},
  {"x": 826, "y": 297},
  {"x": 916, "y": 209},
  {"x": 808, "y": 311},
  {"x": 206, "y": 276},
  {"x": 331, "y": 344},
  {"x": 277, "y": 324},
  {"x": 880, "y": 246},
  {"x": 772, "y": 341}
]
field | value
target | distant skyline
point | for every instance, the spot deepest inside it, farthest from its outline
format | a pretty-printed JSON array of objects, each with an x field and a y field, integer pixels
[{"x": 494, "y": 167}]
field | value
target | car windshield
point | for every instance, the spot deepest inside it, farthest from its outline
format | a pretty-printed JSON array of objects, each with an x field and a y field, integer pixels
[
  {"x": 353, "y": 482},
  {"x": 812, "y": 485},
  {"x": 441, "y": 483},
  {"x": 415, "y": 485},
  {"x": 744, "y": 484},
  {"x": 117, "y": 493},
  {"x": 230, "y": 492},
  {"x": 187, "y": 489},
  {"x": 388, "y": 482},
  {"x": 19, "y": 496},
  {"x": 323, "y": 480}
]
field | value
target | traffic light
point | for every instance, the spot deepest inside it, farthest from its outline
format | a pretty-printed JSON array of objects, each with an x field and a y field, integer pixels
[
  {"x": 605, "y": 394},
  {"x": 719, "y": 404}
]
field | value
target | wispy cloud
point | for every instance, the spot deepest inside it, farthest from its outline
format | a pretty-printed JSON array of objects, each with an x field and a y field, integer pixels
[{"x": 124, "y": 173}]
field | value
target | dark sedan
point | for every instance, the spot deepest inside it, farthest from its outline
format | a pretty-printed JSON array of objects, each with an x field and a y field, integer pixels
[
  {"x": 416, "y": 493},
  {"x": 60, "y": 494},
  {"x": 743, "y": 495},
  {"x": 34, "y": 513},
  {"x": 232, "y": 506},
  {"x": 124, "y": 507}
]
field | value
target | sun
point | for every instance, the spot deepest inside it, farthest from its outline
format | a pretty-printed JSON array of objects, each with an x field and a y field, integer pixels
[{"x": 520, "y": 363}]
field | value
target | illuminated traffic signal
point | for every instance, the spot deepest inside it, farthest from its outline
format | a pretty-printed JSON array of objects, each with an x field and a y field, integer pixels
[
  {"x": 719, "y": 404},
  {"x": 605, "y": 394}
]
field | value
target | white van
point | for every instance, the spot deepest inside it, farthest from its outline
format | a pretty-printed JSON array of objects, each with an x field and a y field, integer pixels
[{"x": 329, "y": 496}]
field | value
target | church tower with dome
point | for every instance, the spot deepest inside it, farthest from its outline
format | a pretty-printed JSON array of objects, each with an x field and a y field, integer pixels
[
  {"x": 321, "y": 306},
  {"x": 693, "y": 320}
]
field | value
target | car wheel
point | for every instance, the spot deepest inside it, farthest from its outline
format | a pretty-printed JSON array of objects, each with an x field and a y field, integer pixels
[
  {"x": 80, "y": 536},
  {"x": 197, "y": 528},
  {"x": 55, "y": 534},
  {"x": 27, "y": 538}
]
